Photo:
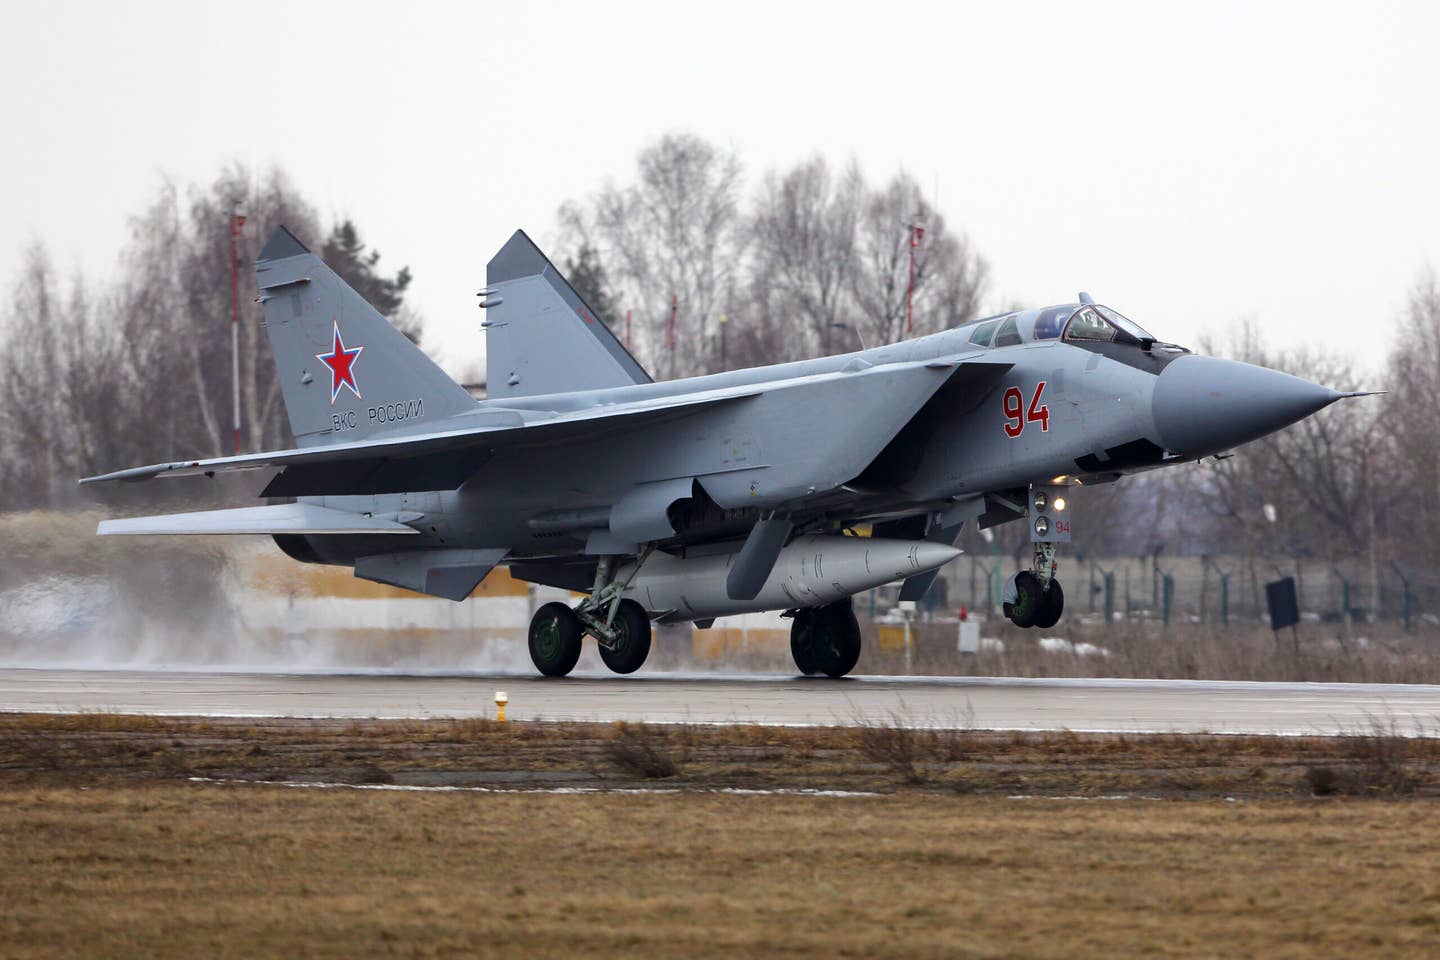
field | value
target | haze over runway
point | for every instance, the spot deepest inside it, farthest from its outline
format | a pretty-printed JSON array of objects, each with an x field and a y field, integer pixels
[{"x": 1138, "y": 706}]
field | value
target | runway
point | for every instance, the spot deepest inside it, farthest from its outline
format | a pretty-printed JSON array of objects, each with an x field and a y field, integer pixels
[{"x": 983, "y": 703}]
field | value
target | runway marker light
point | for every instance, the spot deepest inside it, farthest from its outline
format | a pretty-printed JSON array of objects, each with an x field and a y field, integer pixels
[{"x": 500, "y": 701}]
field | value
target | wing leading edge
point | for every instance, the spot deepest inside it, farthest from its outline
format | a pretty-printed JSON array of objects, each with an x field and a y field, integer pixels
[{"x": 276, "y": 518}]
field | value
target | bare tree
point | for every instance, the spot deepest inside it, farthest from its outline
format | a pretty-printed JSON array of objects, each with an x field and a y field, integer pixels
[
  {"x": 1315, "y": 489},
  {"x": 803, "y": 257},
  {"x": 33, "y": 380},
  {"x": 949, "y": 278},
  {"x": 143, "y": 370},
  {"x": 58, "y": 371},
  {"x": 1413, "y": 377},
  {"x": 671, "y": 241}
]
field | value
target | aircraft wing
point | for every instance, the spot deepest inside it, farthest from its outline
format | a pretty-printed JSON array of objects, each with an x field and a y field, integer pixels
[
  {"x": 437, "y": 460},
  {"x": 276, "y": 518},
  {"x": 800, "y": 417}
]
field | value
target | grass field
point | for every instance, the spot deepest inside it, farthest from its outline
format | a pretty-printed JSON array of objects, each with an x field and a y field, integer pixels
[{"x": 108, "y": 847}]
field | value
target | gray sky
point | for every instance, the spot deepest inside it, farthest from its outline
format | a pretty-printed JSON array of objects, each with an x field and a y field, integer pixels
[{"x": 1186, "y": 165}]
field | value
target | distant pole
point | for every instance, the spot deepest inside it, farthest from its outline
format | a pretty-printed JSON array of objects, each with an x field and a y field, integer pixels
[
  {"x": 627, "y": 331},
  {"x": 917, "y": 234},
  {"x": 670, "y": 330},
  {"x": 236, "y": 222}
]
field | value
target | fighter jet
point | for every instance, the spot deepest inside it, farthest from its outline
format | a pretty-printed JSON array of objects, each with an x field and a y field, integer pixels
[{"x": 789, "y": 487}]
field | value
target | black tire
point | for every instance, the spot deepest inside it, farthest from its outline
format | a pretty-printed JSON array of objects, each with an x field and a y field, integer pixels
[
  {"x": 632, "y": 639},
  {"x": 1029, "y": 596},
  {"x": 1052, "y": 608},
  {"x": 555, "y": 639},
  {"x": 802, "y": 642},
  {"x": 837, "y": 639}
]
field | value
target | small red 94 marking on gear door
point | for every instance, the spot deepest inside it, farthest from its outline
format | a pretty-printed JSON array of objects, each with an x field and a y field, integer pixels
[{"x": 1017, "y": 414}]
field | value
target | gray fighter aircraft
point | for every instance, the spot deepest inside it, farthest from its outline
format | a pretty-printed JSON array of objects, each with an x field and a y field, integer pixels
[{"x": 723, "y": 494}]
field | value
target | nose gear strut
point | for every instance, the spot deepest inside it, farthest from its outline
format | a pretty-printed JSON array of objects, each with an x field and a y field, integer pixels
[{"x": 1033, "y": 598}]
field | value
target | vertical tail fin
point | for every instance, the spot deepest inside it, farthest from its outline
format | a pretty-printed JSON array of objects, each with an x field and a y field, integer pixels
[
  {"x": 540, "y": 337},
  {"x": 344, "y": 371}
]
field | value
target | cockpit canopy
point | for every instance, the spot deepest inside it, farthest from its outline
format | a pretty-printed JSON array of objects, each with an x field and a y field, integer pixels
[{"x": 1070, "y": 321}]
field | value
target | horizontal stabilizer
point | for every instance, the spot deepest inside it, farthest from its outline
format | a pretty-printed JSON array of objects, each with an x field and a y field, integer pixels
[{"x": 276, "y": 518}]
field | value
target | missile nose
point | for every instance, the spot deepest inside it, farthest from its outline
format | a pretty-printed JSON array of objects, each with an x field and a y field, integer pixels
[
  {"x": 928, "y": 556},
  {"x": 1204, "y": 405}
]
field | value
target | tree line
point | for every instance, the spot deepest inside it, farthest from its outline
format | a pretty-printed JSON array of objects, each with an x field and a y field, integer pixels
[
  {"x": 98, "y": 376},
  {"x": 698, "y": 275}
]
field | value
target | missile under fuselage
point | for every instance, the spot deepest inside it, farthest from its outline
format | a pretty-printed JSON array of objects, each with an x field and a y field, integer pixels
[{"x": 811, "y": 571}]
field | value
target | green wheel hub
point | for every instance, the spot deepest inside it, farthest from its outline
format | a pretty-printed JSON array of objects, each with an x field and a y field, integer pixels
[
  {"x": 547, "y": 638},
  {"x": 630, "y": 639},
  {"x": 622, "y": 635}
]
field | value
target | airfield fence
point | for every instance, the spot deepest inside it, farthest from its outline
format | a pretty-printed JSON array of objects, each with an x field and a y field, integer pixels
[{"x": 1218, "y": 591}]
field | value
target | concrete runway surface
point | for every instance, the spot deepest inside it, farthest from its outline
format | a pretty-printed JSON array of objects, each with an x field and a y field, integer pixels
[{"x": 984, "y": 703}]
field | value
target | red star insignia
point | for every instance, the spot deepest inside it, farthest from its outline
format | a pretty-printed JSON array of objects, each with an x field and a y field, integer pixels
[{"x": 341, "y": 363}]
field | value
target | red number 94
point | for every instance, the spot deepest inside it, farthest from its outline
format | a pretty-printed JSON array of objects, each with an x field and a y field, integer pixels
[{"x": 1016, "y": 415}]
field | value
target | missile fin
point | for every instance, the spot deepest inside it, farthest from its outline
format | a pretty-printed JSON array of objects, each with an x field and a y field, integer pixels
[{"x": 757, "y": 557}]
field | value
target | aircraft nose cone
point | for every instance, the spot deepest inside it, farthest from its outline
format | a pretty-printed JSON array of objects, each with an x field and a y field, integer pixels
[{"x": 1204, "y": 405}]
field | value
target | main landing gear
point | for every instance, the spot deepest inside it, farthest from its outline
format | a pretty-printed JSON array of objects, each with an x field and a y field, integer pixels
[
  {"x": 826, "y": 639},
  {"x": 620, "y": 626}
]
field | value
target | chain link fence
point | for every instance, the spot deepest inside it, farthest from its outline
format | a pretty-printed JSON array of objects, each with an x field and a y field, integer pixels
[{"x": 1217, "y": 590}]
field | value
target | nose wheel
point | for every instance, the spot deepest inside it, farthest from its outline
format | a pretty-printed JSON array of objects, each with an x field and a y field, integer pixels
[
  {"x": 1051, "y": 606},
  {"x": 1037, "y": 601}
]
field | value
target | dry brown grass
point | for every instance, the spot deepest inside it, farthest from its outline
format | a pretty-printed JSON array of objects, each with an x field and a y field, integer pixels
[
  {"x": 649, "y": 752},
  {"x": 1137, "y": 648},
  {"x": 894, "y": 754},
  {"x": 187, "y": 870},
  {"x": 909, "y": 750},
  {"x": 107, "y": 849}
]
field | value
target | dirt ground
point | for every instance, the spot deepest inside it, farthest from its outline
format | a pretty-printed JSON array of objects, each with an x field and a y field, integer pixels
[{"x": 130, "y": 836}]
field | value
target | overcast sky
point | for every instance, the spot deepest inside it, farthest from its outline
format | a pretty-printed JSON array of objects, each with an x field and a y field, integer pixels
[{"x": 1186, "y": 165}]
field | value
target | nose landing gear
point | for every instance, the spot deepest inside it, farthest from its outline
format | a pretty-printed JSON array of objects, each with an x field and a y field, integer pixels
[
  {"x": 1035, "y": 604},
  {"x": 1033, "y": 598}
]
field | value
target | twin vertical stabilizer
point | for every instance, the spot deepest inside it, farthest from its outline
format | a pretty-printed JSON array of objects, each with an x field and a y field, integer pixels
[
  {"x": 345, "y": 373},
  {"x": 541, "y": 337}
]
